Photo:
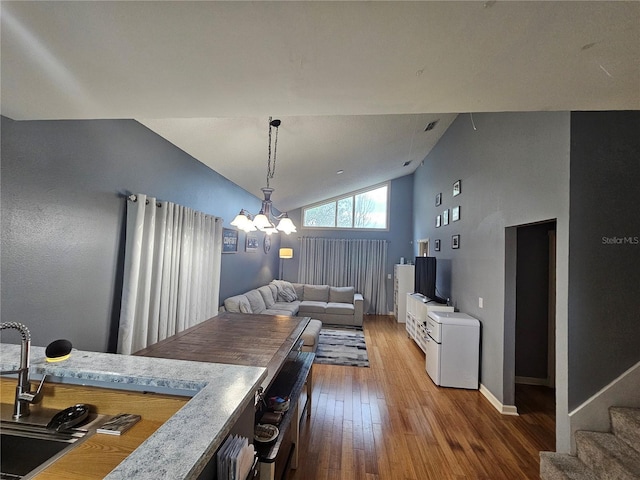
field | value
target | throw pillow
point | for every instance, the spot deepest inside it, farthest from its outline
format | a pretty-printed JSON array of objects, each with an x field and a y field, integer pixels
[{"x": 286, "y": 292}]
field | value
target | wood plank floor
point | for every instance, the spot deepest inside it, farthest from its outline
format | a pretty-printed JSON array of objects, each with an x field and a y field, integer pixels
[{"x": 390, "y": 422}]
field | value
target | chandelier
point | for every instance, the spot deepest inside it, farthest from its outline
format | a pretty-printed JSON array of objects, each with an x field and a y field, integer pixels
[{"x": 265, "y": 221}]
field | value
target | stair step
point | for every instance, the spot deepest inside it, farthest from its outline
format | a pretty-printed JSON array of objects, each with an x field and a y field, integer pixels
[
  {"x": 608, "y": 456},
  {"x": 562, "y": 466},
  {"x": 625, "y": 424}
]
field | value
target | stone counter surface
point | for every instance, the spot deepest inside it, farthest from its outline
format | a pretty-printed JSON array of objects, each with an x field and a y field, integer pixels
[{"x": 183, "y": 445}]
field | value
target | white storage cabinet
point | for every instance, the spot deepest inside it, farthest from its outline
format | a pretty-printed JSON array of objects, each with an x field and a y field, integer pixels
[
  {"x": 453, "y": 349},
  {"x": 403, "y": 279}
]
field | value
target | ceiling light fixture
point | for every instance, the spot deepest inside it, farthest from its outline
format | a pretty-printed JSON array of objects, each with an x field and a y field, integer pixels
[{"x": 265, "y": 221}]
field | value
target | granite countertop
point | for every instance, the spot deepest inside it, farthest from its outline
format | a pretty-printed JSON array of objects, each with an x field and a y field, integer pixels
[{"x": 220, "y": 393}]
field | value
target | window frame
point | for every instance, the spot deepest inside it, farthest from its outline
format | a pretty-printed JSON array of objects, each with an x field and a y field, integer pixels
[{"x": 352, "y": 195}]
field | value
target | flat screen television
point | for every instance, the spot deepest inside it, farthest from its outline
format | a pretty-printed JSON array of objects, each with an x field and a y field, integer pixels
[{"x": 425, "y": 278}]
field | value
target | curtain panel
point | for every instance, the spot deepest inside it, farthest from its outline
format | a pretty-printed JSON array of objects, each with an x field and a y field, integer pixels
[
  {"x": 171, "y": 271},
  {"x": 347, "y": 262}
]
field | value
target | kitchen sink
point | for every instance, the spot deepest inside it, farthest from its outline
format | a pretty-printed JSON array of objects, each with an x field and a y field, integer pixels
[{"x": 28, "y": 447}]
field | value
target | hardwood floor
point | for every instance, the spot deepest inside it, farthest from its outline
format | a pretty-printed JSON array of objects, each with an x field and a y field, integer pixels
[{"x": 390, "y": 422}]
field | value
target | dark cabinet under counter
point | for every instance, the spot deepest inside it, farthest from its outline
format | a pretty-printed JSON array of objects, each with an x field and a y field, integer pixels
[{"x": 296, "y": 373}]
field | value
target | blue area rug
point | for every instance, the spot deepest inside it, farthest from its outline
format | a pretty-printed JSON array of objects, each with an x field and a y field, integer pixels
[{"x": 342, "y": 346}]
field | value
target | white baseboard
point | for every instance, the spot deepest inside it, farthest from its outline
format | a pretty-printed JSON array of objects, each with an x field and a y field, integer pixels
[{"x": 503, "y": 409}]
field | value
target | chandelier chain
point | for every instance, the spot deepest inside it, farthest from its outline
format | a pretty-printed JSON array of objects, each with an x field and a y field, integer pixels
[{"x": 271, "y": 168}]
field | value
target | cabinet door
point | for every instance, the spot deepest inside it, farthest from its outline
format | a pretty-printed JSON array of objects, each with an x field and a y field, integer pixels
[{"x": 432, "y": 360}]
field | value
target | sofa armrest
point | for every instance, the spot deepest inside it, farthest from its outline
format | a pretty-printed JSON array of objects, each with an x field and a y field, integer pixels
[{"x": 358, "y": 304}]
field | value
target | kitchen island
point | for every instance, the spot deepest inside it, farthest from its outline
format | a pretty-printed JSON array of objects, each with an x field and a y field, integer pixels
[{"x": 183, "y": 446}]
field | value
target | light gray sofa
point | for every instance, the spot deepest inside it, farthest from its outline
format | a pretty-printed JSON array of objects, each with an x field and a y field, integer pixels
[{"x": 333, "y": 305}]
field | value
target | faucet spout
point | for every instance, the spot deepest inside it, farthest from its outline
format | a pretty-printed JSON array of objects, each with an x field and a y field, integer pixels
[{"x": 24, "y": 395}]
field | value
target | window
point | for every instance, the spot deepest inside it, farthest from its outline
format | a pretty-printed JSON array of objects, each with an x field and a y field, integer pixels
[{"x": 365, "y": 209}]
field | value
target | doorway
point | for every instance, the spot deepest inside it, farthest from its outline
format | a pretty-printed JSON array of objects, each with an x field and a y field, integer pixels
[
  {"x": 423, "y": 247},
  {"x": 535, "y": 306}
]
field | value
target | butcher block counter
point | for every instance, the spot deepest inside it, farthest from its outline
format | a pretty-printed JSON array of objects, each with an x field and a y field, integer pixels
[{"x": 236, "y": 339}]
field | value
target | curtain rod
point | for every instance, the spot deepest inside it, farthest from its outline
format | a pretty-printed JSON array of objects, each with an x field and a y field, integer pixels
[
  {"x": 329, "y": 238},
  {"x": 134, "y": 198}
]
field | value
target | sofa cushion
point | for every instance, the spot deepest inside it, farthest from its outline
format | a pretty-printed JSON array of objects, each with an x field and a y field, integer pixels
[
  {"x": 316, "y": 293},
  {"x": 276, "y": 311},
  {"x": 267, "y": 295},
  {"x": 308, "y": 306},
  {"x": 237, "y": 304},
  {"x": 340, "y": 308},
  {"x": 291, "y": 307},
  {"x": 341, "y": 294},
  {"x": 311, "y": 333},
  {"x": 299, "y": 288},
  {"x": 256, "y": 301}
]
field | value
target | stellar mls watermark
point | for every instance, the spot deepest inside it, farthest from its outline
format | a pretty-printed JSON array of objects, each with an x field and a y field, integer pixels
[{"x": 620, "y": 240}]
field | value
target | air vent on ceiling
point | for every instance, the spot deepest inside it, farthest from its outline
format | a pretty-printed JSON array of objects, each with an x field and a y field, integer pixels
[
  {"x": 407, "y": 163},
  {"x": 431, "y": 125}
]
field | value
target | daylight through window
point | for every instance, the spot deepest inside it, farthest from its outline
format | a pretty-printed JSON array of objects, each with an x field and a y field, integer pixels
[{"x": 362, "y": 210}]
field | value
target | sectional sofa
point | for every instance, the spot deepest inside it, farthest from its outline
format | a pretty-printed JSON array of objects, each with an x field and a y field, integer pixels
[{"x": 323, "y": 303}]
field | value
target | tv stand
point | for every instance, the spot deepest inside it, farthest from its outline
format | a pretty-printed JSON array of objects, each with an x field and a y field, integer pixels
[{"x": 418, "y": 308}]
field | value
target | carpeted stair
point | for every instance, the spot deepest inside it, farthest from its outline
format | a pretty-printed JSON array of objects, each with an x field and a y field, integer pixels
[{"x": 600, "y": 455}]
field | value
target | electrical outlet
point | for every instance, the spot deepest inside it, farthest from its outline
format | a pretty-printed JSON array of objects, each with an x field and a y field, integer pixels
[
  {"x": 388, "y": 276},
  {"x": 480, "y": 302}
]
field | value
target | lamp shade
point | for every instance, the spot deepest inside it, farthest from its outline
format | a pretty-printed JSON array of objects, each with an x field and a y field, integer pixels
[
  {"x": 286, "y": 225},
  {"x": 286, "y": 253},
  {"x": 261, "y": 221}
]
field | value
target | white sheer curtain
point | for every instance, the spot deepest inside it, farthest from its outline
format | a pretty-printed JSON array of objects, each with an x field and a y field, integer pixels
[
  {"x": 171, "y": 271},
  {"x": 345, "y": 262}
]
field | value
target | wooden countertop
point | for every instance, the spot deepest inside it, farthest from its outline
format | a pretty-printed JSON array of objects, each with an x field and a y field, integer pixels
[
  {"x": 95, "y": 457},
  {"x": 237, "y": 339}
]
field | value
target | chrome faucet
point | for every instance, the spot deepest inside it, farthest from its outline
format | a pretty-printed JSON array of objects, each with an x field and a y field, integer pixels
[{"x": 24, "y": 395}]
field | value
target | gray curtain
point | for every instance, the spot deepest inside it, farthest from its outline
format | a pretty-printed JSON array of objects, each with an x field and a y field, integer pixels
[{"x": 344, "y": 263}]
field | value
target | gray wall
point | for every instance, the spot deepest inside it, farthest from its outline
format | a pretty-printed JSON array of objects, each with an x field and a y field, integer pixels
[
  {"x": 604, "y": 260},
  {"x": 514, "y": 170},
  {"x": 398, "y": 235},
  {"x": 63, "y": 209}
]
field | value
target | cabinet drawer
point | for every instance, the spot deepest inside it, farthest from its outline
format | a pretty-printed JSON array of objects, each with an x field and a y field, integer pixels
[{"x": 434, "y": 329}]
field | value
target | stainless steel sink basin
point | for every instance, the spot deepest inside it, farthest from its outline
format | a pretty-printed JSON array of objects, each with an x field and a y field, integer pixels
[{"x": 28, "y": 447}]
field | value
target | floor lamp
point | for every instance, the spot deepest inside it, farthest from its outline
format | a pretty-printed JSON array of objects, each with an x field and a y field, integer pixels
[{"x": 284, "y": 253}]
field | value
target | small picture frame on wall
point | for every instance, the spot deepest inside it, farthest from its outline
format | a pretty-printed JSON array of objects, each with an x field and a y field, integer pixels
[
  {"x": 438, "y": 199},
  {"x": 455, "y": 241},
  {"x": 445, "y": 217},
  {"x": 457, "y": 188},
  {"x": 252, "y": 243},
  {"x": 229, "y": 240},
  {"x": 438, "y": 221},
  {"x": 455, "y": 214},
  {"x": 437, "y": 245}
]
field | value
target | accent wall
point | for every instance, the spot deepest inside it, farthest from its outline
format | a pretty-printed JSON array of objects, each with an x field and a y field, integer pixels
[{"x": 64, "y": 188}]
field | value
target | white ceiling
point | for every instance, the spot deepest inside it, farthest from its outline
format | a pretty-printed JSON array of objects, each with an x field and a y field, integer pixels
[{"x": 354, "y": 83}]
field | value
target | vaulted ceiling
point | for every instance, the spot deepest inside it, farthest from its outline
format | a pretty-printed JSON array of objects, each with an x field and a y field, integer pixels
[{"x": 354, "y": 83}]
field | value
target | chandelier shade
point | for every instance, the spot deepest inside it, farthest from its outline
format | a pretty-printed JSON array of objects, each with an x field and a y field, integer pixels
[{"x": 264, "y": 220}]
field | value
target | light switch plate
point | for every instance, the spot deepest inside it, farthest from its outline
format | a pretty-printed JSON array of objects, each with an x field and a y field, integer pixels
[{"x": 480, "y": 302}]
